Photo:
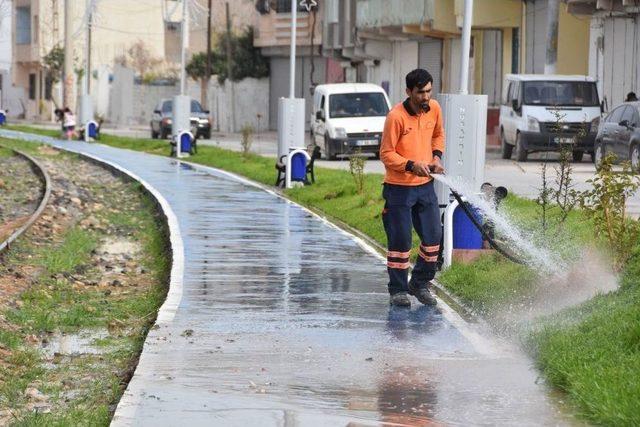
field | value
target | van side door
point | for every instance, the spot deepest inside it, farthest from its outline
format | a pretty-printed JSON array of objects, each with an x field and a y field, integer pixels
[
  {"x": 320, "y": 121},
  {"x": 505, "y": 112},
  {"x": 514, "y": 116}
]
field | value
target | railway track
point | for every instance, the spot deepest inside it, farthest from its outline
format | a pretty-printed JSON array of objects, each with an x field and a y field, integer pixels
[{"x": 46, "y": 181}]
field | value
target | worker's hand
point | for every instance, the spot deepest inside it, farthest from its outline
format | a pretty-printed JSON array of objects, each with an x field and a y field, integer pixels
[
  {"x": 420, "y": 169},
  {"x": 435, "y": 166}
]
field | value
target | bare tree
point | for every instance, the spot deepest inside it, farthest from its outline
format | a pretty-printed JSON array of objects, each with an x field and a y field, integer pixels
[{"x": 141, "y": 59}]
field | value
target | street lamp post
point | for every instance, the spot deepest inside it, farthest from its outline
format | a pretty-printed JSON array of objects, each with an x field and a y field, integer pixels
[{"x": 182, "y": 102}]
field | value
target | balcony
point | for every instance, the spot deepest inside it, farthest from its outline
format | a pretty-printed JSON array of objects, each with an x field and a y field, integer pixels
[
  {"x": 384, "y": 13},
  {"x": 274, "y": 29},
  {"x": 25, "y": 53}
]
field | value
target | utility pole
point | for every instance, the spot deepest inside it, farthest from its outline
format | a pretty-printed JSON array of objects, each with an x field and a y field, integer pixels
[
  {"x": 205, "y": 89},
  {"x": 466, "y": 47},
  {"x": 185, "y": 45},
  {"x": 553, "y": 8},
  {"x": 89, "y": 30},
  {"x": 68, "y": 100},
  {"x": 292, "y": 58},
  {"x": 182, "y": 102},
  {"x": 229, "y": 69}
]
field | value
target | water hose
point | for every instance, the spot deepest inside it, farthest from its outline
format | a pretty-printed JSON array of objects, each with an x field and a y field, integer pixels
[{"x": 482, "y": 230}]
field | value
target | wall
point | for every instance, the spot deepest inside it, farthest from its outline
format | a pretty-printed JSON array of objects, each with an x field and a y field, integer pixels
[
  {"x": 279, "y": 82},
  {"x": 536, "y": 34},
  {"x": 573, "y": 43},
  {"x": 251, "y": 104},
  {"x": 405, "y": 59}
]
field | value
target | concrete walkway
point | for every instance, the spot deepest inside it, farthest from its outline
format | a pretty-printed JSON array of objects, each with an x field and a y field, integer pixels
[{"x": 275, "y": 317}]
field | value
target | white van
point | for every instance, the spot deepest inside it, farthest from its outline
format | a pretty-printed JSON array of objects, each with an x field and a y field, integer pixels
[
  {"x": 545, "y": 112},
  {"x": 346, "y": 117}
]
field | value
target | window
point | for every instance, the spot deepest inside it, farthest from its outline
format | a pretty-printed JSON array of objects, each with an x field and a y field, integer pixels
[
  {"x": 23, "y": 25},
  {"x": 195, "y": 107},
  {"x": 561, "y": 93},
  {"x": 635, "y": 120},
  {"x": 167, "y": 106},
  {"x": 36, "y": 29},
  {"x": 284, "y": 6},
  {"x": 509, "y": 91},
  {"x": 48, "y": 87},
  {"x": 32, "y": 86},
  {"x": 322, "y": 103},
  {"x": 628, "y": 114},
  {"x": 616, "y": 115},
  {"x": 357, "y": 105}
]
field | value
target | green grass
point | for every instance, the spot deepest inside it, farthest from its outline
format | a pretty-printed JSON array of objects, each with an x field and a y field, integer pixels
[
  {"x": 53, "y": 304},
  {"x": 592, "y": 351},
  {"x": 74, "y": 252}
]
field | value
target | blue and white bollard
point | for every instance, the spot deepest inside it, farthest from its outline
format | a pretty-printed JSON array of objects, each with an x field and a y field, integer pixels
[
  {"x": 296, "y": 169},
  {"x": 3, "y": 117},
  {"x": 184, "y": 143},
  {"x": 91, "y": 131}
]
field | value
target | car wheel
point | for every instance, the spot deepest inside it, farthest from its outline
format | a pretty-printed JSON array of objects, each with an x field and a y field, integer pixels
[
  {"x": 521, "y": 152},
  {"x": 507, "y": 149},
  {"x": 164, "y": 134},
  {"x": 154, "y": 135},
  {"x": 635, "y": 158},
  {"x": 206, "y": 135},
  {"x": 598, "y": 155},
  {"x": 328, "y": 152},
  {"x": 577, "y": 156}
]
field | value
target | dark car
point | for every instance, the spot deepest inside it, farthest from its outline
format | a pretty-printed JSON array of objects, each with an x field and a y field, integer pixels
[
  {"x": 619, "y": 134},
  {"x": 162, "y": 119}
]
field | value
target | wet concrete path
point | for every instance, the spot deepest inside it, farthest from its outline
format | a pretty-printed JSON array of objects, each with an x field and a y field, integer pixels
[{"x": 284, "y": 320}]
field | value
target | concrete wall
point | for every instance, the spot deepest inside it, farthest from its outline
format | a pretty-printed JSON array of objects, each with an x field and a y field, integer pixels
[
  {"x": 133, "y": 104},
  {"x": 250, "y": 104},
  {"x": 279, "y": 82}
]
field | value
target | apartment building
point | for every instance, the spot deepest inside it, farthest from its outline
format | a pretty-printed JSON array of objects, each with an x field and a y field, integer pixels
[
  {"x": 38, "y": 26},
  {"x": 614, "y": 45}
]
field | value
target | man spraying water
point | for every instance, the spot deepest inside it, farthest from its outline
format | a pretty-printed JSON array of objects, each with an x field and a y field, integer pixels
[{"x": 411, "y": 149}]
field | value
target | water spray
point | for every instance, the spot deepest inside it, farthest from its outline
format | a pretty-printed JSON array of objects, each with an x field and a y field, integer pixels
[{"x": 501, "y": 193}]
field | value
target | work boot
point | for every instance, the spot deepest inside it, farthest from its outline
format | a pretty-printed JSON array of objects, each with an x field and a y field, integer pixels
[
  {"x": 422, "y": 294},
  {"x": 400, "y": 300}
]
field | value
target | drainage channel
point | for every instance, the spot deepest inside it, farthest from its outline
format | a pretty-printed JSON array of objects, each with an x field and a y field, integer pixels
[{"x": 282, "y": 319}]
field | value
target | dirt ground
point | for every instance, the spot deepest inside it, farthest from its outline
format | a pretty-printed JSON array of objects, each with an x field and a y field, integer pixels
[
  {"x": 91, "y": 199},
  {"x": 20, "y": 192}
]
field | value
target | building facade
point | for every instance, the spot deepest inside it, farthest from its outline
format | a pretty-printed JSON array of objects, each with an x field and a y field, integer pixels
[
  {"x": 614, "y": 46},
  {"x": 38, "y": 26}
]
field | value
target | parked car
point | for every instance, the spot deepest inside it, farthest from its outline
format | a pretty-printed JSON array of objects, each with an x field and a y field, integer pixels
[
  {"x": 346, "y": 117},
  {"x": 162, "y": 119},
  {"x": 619, "y": 134},
  {"x": 546, "y": 112}
]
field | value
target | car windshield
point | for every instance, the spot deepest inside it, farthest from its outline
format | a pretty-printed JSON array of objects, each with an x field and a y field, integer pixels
[
  {"x": 195, "y": 107},
  {"x": 357, "y": 105},
  {"x": 561, "y": 94},
  {"x": 167, "y": 107}
]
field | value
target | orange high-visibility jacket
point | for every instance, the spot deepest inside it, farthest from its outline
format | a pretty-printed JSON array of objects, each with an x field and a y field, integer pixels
[{"x": 410, "y": 137}]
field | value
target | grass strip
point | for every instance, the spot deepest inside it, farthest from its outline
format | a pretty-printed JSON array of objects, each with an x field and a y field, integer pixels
[{"x": 595, "y": 357}]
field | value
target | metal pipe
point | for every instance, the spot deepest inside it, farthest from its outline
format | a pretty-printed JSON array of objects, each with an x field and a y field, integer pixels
[
  {"x": 466, "y": 47},
  {"x": 292, "y": 62},
  {"x": 185, "y": 43}
]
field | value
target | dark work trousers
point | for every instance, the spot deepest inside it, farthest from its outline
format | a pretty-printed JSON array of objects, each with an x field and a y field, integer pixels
[{"x": 404, "y": 206}]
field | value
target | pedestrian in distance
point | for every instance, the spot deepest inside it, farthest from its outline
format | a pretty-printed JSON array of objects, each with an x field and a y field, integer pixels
[
  {"x": 631, "y": 97},
  {"x": 411, "y": 149},
  {"x": 69, "y": 124}
]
